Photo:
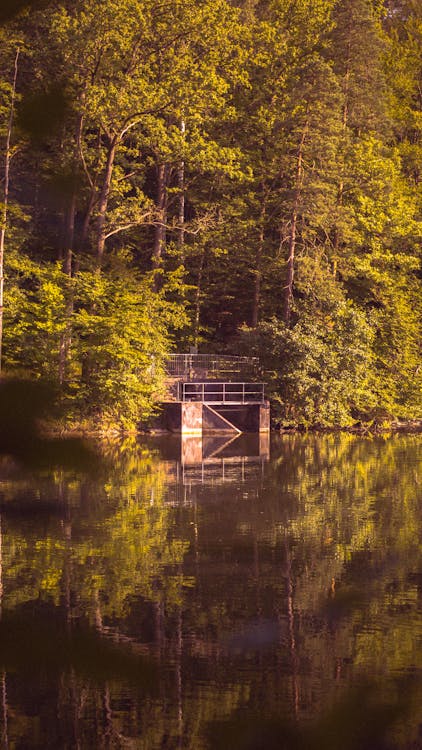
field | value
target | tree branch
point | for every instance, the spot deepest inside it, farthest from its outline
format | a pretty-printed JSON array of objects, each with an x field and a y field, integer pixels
[{"x": 123, "y": 228}]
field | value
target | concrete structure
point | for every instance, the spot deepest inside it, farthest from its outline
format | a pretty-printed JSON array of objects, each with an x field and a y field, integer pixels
[
  {"x": 195, "y": 418},
  {"x": 213, "y": 406}
]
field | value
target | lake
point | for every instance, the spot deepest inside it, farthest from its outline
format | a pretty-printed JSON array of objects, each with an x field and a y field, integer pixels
[{"x": 213, "y": 594}]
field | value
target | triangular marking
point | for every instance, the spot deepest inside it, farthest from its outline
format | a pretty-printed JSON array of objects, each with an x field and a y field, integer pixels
[{"x": 223, "y": 419}]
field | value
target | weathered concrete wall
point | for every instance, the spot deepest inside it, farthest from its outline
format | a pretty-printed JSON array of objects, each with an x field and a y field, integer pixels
[
  {"x": 213, "y": 421},
  {"x": 247, "y": 417},
  {"x": 184, "y": 417},
  {"x": 194, "y": 417},
  {"x": 264, "y": 417}
]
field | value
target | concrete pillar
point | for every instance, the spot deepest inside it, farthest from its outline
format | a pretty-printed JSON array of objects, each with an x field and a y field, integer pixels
[
  {"x": 191, "y": 418},
  {"x": 264, "y": 416}
]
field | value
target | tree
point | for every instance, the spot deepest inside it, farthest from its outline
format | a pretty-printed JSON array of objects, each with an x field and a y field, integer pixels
[
  {"x": 267, "y": 153},
  {"x": 9, "y": 92}
]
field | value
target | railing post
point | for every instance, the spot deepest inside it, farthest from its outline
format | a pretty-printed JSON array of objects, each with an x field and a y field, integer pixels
[
  {"x": 224, "y": 393},
  {"x": 243, "y": 393}
]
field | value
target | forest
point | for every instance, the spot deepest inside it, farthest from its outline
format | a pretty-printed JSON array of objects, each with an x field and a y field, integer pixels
[{"x": 240, "y": 176}]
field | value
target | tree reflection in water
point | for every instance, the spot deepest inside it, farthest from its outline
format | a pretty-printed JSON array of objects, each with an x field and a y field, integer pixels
[{"x": 187, "y": 597}]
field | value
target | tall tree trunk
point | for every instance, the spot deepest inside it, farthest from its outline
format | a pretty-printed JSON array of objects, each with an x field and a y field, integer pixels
[
  {"x": 87, "y": 220},
  {"x": 337, "y": 233},
  {"x": 6, "y": 196},
  {"x": 65, "y": 337},
  {"x": 198, "y": 299},
  {"x": 104, "y": 196},
  {"x": 258, "y": 262},
  {"x": 181, "y": 187},
  {"x": 288, "y": 288},
  {"x": 93, "y": 194},
  {"x": 160, "y": 229},
  {"x": 69, "y": 233},
  {"x": 69, "y": 240}
]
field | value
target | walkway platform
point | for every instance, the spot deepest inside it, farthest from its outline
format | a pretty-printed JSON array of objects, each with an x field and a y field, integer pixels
[{"x": 206, "y": 394}]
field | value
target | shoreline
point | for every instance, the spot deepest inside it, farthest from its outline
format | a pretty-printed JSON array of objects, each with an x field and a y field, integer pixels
[{"x": 407, "y": 427}]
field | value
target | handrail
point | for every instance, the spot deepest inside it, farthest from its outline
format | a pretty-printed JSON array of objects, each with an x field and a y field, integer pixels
[
  {"x": 207, "y": 365},
  {"x": 222, "y": 393}
]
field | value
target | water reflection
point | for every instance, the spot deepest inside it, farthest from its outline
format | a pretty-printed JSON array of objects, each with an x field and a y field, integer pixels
[
  {"x": 206, "y": 595},
  {"x": 212, "y": 460}
]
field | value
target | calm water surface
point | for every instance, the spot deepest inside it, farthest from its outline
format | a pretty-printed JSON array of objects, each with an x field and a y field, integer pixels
[{"x": 210, "y": 595}]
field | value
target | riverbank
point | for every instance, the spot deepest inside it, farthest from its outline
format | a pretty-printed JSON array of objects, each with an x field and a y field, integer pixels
[
  {"x": 360, "y": 428},
  {"x": 105, "y": 431}
]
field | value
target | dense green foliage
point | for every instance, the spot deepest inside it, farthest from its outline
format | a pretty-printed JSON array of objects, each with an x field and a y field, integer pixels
[{"x": 242, "y": 175}]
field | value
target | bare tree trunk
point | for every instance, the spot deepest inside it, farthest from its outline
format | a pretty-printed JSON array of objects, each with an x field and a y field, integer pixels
[
  {"x": 93, "y": 195},
  {"x": 160, "y": 229},
  {"x": 337, "y": 231},
  {"x": 69, "y": 233},
  {"x": 258, "y": 262},
  {"x": 181, "y": 187},
  {"x": 288, "y": 289},
  {"x": 6, "y": 196},
  {"x": 87, "y": 220},
  {"x": 65, "y": 339},
  {"x": 104, "y": 196},
  {"x": 69, "y": 228},
  {"x": 198, "y": 299}
]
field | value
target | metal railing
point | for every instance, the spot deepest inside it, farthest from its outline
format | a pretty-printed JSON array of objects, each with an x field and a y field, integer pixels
[
  {"x": 204, "y": 366},
  {"x": 222, "y": 393}
]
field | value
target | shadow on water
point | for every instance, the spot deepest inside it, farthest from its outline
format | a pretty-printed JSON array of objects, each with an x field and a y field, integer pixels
[
  {"x": 34, "y": 641},
  {"x": 362, "y": 720},
  {"x": 29, "y": 506},
  {"x": 24, "y": 405}
]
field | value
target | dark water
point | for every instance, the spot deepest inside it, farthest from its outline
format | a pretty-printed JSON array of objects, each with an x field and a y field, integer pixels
[{"x": 207, "y": 596}]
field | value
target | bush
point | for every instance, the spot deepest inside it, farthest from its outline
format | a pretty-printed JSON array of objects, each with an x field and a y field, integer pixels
[{"x": 320, "y": 371}]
